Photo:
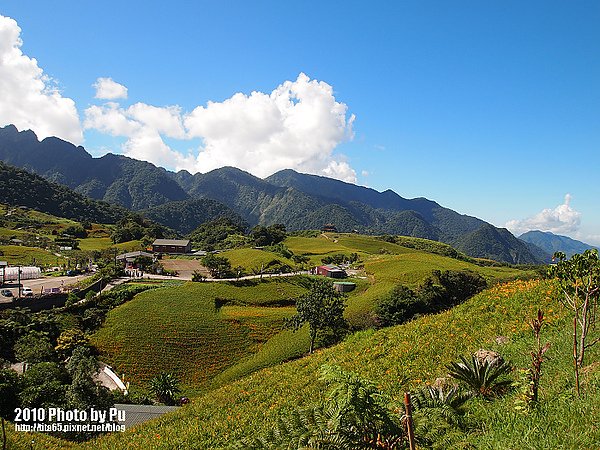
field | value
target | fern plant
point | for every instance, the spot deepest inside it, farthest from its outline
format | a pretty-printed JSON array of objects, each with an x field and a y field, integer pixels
[
  {"x": 355, "y": 416},
  {"x": 482, "y": 378},
  {"x": 439, "y": 416}
]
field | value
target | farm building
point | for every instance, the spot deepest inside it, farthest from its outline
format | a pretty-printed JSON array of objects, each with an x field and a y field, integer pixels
[
  {"x": 171, "y": 246},
  {"x": 129, "y": 258},
  {"x": 19, "y": 273},
  {"x": 329, "y": 228},
  {"x": 331, "y": 271}
]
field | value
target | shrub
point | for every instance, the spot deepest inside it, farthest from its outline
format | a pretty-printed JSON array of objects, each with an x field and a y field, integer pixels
[{"x": 483, "y": 378}]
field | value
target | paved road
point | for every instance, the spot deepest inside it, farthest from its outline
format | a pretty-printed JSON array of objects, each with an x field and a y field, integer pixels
[{"x": 39, "y": 284}]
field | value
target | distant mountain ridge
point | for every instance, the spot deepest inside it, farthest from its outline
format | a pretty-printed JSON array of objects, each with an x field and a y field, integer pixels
[
  {"x": 112, "y": 178},
  {"x": 22, "y": 188},
  {"x": 552, "y": 243},
  {"x": 299, "y": 201}
]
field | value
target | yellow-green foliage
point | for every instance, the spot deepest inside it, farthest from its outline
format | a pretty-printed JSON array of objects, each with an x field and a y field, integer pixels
[
  {"x": 9, "y": 233},
  {"x": 26, "y": 256},
  {"x": 397, "y": 359},
  {"x": 95, "y": 243},
  {"x": 250, "y": 258},
  {"x": 179, "y": 329}
]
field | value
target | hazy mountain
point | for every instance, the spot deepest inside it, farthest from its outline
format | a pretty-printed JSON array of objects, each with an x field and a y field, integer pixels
[
  {"x": 498, "y": 244},
  {"x": 113, "y": 178},
  {"x": 297, "y": 200},
  {"x": 552, "y": 243}
]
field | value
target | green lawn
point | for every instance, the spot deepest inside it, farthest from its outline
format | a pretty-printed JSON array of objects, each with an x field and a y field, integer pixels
[
  {"x": 250, "y": 258},
  {"x": 102, "y": 243}
]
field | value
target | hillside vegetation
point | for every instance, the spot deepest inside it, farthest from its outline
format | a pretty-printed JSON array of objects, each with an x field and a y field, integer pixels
[
  {"x": 398, "y": 359},
  {"x": 148, "y": 334},
  {"x": 203, "y": 321}
]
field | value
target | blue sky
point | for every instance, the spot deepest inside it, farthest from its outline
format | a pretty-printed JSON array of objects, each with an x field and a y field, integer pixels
[{"x": 489, "y": 108}]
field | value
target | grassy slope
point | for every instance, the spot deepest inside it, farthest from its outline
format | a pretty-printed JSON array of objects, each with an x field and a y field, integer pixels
[
  {"x": 250, "y": 258},
  {"x": 401, "y": 358},
  {"x": 178, "y": 329},
  {"x": 24, "y": 256},
  {"x": 386, "y": 264}
]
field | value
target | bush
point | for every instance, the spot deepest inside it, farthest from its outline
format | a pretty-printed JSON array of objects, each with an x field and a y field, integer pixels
[
  {"x": 440, "y": 291},
  {"x": 399, "y": 306}
]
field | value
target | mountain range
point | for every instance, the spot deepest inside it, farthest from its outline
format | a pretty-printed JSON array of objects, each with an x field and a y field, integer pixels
[
  {"x": 183, "y": 200},
  {"x": 552, "y": 243}
]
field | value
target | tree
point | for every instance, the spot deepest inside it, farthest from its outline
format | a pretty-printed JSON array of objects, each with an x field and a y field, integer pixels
[
  {"x": 34, "y": 347},
  {"x": 579, "y": 281},
  {"x": 165, "y": 386},
  {"x": 45, "y": 385},
  {"x": 322, "y": 308},
  {"x": 69, "y": 340},
  {"x": 270, "y": 235},
  {"x": 218, "y": 266},
  {"x": 398, "y": 306},
  {"x": 9, "y": 397}
]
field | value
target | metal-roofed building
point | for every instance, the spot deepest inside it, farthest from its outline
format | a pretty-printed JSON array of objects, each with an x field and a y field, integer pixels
[
  {"x": 331, "y": 271},
  {"x": 179, "y": 246}
]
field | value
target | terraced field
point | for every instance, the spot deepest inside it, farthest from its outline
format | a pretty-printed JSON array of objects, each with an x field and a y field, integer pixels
[{"x": 182, "y": 330}]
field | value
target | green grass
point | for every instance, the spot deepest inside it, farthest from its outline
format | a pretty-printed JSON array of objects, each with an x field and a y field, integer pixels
[
  {"x": 26, "y": 256},
  {"x": 95, "y": 243},
  {"x": 179, "y": 329},
  {"x": 9, "y": 233},
  {"x": 398, "y": 359},
  {"x": 250, "y": 258}
]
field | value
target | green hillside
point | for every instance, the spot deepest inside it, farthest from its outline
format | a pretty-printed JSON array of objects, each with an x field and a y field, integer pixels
[
  {"x": 149, "y": 334},
  {"x": 397, "y": 359},
  {"x": 145, "y": 336}
]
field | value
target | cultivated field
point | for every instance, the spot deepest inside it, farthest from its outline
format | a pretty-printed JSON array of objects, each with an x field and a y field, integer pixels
[{"x": 182, "y": 329}]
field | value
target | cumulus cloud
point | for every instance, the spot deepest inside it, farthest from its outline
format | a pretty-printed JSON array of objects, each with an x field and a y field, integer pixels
[
  {"x": 142, "y": 125},
  {"x": 561, "y": 220},
  {"x": 297, "y": 125},
  {"x": 107, "y": 89},
  {"x": 29, "y": 98}
]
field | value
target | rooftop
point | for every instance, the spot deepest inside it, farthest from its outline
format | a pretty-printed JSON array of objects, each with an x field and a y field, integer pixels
[
  {"x": 179, "y": 242},
  {"x": 135, "y": 255}
]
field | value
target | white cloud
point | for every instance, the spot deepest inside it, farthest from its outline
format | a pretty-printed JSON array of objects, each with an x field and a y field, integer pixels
[
  {"x": 142, "y": 125},
  {"x": 107, "y": 89},
  {"x": 29, "y": 98},
  {"x": 297, "y": 125},
  {"x": 561, "y": 220}
]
